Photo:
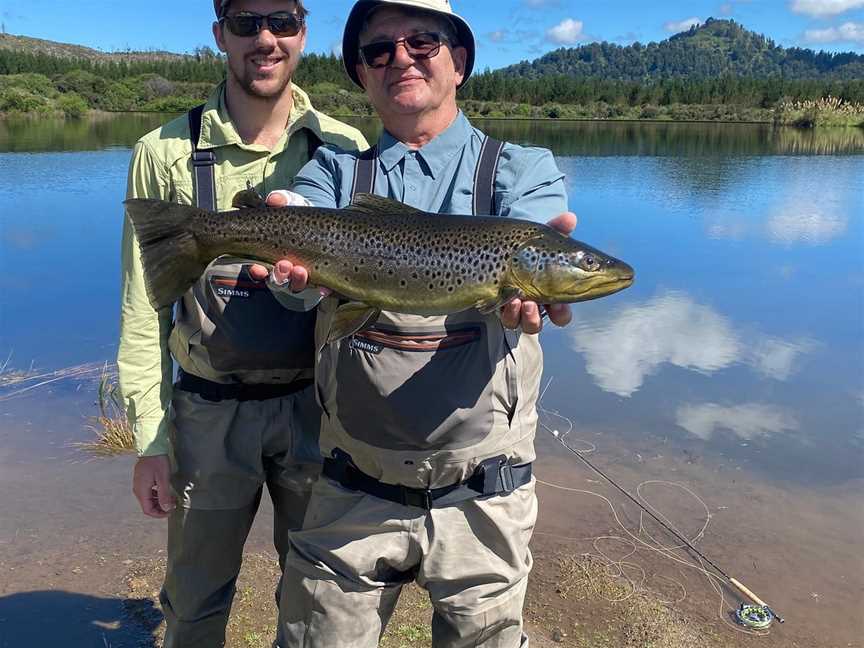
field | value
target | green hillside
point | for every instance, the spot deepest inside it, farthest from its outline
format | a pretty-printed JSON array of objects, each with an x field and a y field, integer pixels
[{"x": 717, "y": 48}]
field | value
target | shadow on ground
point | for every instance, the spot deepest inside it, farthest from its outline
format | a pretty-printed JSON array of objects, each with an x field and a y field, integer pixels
[{"x": 57, "y": 618}]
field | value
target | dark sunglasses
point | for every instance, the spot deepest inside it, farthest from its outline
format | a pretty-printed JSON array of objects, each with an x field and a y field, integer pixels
[
  {"x": 280, "y": 23},
  {"x": 419, "y": 46}
]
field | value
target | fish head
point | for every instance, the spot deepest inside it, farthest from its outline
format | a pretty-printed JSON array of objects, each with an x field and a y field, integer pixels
[{"x": 557, "y": 269}]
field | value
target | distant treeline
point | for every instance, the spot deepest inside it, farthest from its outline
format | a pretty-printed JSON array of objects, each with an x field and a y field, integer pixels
[{"x": 37, "y": 82}]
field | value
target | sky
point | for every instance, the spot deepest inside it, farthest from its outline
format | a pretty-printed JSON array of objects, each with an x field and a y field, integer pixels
[{"x": 507, "y": 31}]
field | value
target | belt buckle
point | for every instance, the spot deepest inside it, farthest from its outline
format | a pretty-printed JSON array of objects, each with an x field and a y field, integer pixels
[
  {"x": 494, "y": 474},
  {"x": 416, "y": 497},
  {"x": 505, "y": 473}
]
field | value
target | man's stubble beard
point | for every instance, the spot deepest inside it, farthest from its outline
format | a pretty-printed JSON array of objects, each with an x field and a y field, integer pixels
[{"x": 247, "y": 83}]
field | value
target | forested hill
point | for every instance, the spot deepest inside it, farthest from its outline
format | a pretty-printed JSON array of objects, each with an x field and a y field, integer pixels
[
  {"x": 714, "y": 49},
  {"x": 28, "y": 45}
]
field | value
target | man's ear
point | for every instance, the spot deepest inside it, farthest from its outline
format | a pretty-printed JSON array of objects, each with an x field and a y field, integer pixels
[
  {"x": 218, "y": 36},
  {"x": 460, "y": 58}
]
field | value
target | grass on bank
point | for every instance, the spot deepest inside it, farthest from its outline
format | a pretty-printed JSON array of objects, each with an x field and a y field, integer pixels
[{"x": 112, "y": 434}]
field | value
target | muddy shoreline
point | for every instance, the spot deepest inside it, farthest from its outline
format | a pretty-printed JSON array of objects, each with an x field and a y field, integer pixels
[{"x": 78, "y": 560}]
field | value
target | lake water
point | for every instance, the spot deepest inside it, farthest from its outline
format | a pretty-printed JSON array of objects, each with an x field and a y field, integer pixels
[{"x": 733, "y": 366}]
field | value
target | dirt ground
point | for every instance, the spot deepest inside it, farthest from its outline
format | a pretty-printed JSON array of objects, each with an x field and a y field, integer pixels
[{"x": 569, "y": 605}]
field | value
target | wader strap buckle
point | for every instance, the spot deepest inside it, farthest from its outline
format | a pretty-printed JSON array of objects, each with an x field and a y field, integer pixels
[
  {"x": 203, "y": 157},
  {"x": 497, "y": 474}
]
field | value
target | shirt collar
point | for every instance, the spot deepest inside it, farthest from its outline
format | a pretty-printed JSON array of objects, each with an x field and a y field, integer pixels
[
  {"x": 435, "y": 154},
  {"x": 217, "y": 128}
]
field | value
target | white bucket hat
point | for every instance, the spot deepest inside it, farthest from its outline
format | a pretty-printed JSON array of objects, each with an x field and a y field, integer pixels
[{"x": 350, "y": 39}]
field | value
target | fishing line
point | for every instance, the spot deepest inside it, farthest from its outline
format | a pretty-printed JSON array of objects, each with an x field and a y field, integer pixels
[{"x": 757, "y": 617}]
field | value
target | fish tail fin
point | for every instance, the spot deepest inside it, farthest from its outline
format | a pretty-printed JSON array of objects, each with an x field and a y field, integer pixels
[{"x": 170, "y": 253}]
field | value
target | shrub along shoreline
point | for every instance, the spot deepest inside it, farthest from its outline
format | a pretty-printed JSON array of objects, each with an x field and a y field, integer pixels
[{"x": 77, "y": 93}]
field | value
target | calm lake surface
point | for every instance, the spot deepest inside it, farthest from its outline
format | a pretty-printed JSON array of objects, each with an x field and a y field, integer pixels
[{"x": 734, "y": 365}]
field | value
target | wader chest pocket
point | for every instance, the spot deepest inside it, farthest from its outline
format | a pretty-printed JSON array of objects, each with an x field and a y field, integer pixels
[
  {"x": 416, "y": 390},
  {"x": 250, "y": 329}
]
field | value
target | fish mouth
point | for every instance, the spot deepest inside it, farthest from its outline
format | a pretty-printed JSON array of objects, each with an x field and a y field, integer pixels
[{"x": 601, "y": 286}]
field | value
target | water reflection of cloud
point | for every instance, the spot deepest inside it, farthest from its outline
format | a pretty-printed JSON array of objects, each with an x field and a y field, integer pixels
[
  {"x": 673, "y": 329},
  {"x": 775, "y": 358},
  {"x": 804, "y": 224},
  {"x": 747, "y": 421}
]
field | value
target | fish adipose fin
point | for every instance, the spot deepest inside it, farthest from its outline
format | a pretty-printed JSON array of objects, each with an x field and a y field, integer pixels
[
  {"x": 350, "y": 318},
  {"x": 505, "y": 296},
  {"x": 377, "y": 205},
  {"x": 169, "y": 251}
]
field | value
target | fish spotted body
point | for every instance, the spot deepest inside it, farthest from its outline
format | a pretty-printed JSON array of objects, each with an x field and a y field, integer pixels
[{"x": 378, "y": 252}]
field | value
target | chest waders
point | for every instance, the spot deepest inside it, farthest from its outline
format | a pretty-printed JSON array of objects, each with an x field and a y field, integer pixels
[
  {"x": 494, "y": 476},
  {"x": 234, "y": 317}
]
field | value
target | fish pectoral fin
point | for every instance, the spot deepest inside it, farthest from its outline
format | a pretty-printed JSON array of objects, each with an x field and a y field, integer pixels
[
  {"x": 377, "y": 205},
  {"x": 350, "y": 318},
  {"x": 504, "y": 297}
]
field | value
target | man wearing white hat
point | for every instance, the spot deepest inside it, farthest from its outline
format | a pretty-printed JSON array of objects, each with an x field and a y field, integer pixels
[{"x": 428, "y": 422}]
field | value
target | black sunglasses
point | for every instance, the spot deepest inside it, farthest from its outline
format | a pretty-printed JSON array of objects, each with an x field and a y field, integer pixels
[
  {"x": 280, "y": 23},
  {"x": 419, "y": 46}
]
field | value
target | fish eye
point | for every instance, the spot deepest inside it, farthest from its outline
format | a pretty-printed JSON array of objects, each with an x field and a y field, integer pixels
[{"x": 590, "y": 262}]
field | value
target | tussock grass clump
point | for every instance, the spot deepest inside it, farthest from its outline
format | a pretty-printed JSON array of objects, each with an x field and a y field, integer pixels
[
  {"x": 826, "y": 111},
  {"x": 112, "y": 432}
]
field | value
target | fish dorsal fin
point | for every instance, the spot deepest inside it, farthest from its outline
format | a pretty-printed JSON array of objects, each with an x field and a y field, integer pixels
[{"x": 377, "y": 205}]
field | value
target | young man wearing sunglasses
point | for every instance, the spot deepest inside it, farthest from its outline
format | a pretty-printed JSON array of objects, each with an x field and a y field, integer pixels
[
  {"x": 242, "y": 413},
  {"x": 428, "y": 422}
]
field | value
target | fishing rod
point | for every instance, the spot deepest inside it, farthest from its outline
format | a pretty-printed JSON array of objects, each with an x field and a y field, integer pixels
[{"x": 752, "y": 616}]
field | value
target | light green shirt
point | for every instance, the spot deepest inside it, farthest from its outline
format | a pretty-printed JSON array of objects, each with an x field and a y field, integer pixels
[{"x": 161, "y": 168}]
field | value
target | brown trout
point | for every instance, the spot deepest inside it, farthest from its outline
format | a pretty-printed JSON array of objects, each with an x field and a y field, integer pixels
[{"x": 379, "y": 253}]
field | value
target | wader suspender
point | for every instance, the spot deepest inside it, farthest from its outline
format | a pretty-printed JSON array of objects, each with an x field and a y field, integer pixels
[
  {"x": 203, "y": 161},
  {"x": 484, "y": 175}
]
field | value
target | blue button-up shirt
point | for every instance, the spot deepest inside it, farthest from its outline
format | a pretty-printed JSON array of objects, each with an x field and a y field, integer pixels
[{"x": 439, "y": 177}]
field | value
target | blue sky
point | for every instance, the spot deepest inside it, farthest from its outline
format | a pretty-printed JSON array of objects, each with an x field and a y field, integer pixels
[{"x": 507, "y": 31}]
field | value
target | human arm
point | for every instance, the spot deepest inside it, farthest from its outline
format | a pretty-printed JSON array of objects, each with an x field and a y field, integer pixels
[{"x": 144, "y": 364}]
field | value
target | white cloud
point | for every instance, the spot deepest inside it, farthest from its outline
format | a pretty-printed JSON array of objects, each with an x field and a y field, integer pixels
[
  {"x": 538, "y": 4},
  {"x": 675, "y": 26},
  {"x": 848, "y": 32},
  {"x": 747, "y": 421},
  {"x": 635, "y": 342},
  {"x": 567, "y": 32},
  {"x": 804, "y": 223},
  {"x": 821, "y": 8},
  {"x": 497, "y": 36}
]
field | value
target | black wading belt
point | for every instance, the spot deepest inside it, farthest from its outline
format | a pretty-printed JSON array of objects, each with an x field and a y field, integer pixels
[
  {"x": 484, "y": 175},
  {"x": 495, "y": 476}
]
